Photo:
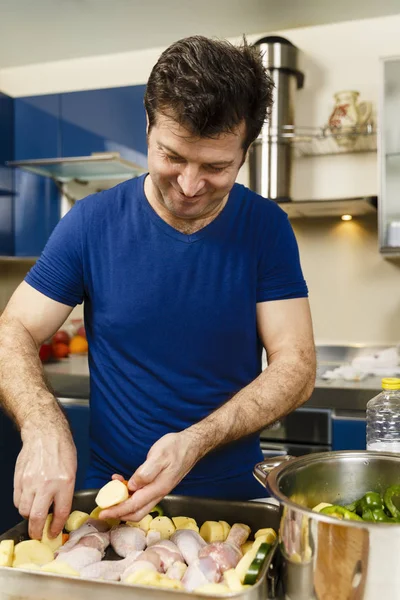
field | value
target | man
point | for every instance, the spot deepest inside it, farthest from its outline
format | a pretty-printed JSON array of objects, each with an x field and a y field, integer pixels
[{"x": 185, "y": 276}]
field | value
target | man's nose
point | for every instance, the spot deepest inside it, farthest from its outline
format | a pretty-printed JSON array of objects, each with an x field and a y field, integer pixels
[{"x": 190, "y": 181}]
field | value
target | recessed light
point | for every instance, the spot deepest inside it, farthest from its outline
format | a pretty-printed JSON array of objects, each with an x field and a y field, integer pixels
[{"x": 346, "y": 217}]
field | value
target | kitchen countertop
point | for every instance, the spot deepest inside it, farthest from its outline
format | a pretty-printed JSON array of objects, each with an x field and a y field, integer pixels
[{"x": 69, "y": 379}]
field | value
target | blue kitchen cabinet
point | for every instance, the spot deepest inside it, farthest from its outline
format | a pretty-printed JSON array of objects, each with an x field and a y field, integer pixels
[
  {"x": 106, "y": 120},
  {"x": 37, "y": 200},
  {"x": 6, "y": 175},
  {"x": 348, "y": 433}
]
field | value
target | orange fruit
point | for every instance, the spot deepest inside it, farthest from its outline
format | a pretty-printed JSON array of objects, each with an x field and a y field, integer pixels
[
  {"x": 78, "y": 345},
  {"x": 60, "y": 350}
]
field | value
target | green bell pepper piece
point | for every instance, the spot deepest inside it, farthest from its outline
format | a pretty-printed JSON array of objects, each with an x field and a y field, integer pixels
[
  {"x": 370, "y": 500},
  {"x": 377, "y": 516},
  {"x": 340, "y": 512},
  {"x": 393, "y": 490}
]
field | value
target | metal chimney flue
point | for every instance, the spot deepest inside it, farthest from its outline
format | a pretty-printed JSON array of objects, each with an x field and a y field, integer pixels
[{"x": 271, "y": 154}]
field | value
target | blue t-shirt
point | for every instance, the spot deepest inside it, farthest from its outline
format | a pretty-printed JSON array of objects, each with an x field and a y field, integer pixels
[{"x": 170, "y": 320}]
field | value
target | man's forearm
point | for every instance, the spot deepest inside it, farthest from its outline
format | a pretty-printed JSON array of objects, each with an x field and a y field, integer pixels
[
  {"x": 23, "y": 390},
  {"x": 286, "y": 384}
]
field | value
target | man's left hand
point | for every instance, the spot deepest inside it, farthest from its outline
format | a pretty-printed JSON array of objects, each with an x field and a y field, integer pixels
[{"x": 167, "y": 463}]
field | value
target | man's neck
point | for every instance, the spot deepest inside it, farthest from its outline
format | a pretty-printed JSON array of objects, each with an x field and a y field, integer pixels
[{"x": 186, "y": 226}]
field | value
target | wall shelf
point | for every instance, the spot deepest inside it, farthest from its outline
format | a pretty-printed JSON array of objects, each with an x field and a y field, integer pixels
[{"x": 321, "y": 141}]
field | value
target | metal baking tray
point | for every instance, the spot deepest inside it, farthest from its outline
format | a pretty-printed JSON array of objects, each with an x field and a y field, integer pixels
[{"x": 16, "y": 584}]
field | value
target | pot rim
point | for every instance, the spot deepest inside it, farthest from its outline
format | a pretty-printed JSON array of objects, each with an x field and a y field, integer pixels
[{"x": 292, "y": 464}]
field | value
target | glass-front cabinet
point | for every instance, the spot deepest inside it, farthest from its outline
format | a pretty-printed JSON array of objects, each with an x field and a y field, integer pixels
[{"x": 389, "y": 148}]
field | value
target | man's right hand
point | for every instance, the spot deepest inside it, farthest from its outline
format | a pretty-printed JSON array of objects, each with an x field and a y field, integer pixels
[{"x": 45, "y": 473}]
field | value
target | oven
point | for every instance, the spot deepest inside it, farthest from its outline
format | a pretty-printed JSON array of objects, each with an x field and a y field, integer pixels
[{"x": 303, "y": 431}]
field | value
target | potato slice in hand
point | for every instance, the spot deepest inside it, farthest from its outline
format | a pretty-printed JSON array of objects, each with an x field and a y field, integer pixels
[
  {"x": 111, "y": 494},
  {"x": 185, "y": 523},
  {"x": 60, "y": 568},
  {"x": 212, "y": 531},
  {"x": 143, "y": 524},
  {"x": 96, "y": 513},
  {"x": 6, "y": 553},
  {"x": 164, "y": 526},
  {"x": 75, "y": 520},
  {"x": 32, "y": 551},
  {"x": 53, "y": 543}
]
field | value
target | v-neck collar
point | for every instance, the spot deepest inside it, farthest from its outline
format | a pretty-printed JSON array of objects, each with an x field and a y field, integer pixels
[{"x": 171, "y": 231}]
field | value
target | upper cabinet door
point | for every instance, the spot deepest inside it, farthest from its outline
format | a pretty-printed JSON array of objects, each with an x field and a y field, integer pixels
[
  {"x": 6, "y": 175},
  {"x": 37, "y": 199},
  {"x": 107, "y": 120},
  {"x": 37, "y": 131}
]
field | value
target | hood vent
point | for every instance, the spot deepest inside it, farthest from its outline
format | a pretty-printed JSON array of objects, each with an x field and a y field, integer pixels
[
  {"x": 97, "y": 166},
  {"x": 356, "y": 207}
]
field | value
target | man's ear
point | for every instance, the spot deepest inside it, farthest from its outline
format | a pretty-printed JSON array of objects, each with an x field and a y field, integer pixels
[{"x": 147, "y": 124}]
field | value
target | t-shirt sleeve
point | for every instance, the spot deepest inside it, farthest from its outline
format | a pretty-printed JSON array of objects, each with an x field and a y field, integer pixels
[
  {"x": 58, "y": 273},
  {"x": 280, "y": 275}
]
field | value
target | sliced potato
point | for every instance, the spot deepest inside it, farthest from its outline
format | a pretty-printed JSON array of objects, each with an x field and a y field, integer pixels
[
  {"x": 6, "y": 553},
  {"x": 244, "y": 563},
  {"x": 213, "y": 589},
  {"x": 185, "y": 523},
  {"x": 212, "y": 531},
  {"x": 60, "y": 568},
  {"x": 95, "y": 515},
  {"x": 246, "y": 547},
  {"x": 30, "y": 567},
  {"x": 75, "y": 520},
  {"x": 320, "y": 506},
  {"x": 164, "y": 526},
  {"x": 111, "y": 494},
  {"x": 143, "y": 524},
  {"x": 143, "y": 577},
  {"x": 166, "y": 582},
  {"x": 268, "y": 534},
  {"x": 53, "y": 543},
  {"x": 225, "y": 528},
  {"x": 32, "y": 551},
  {"x": 231, "y": 579}
]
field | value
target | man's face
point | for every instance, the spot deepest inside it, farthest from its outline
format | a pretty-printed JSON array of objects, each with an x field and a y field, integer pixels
[{"x": 191, "y": 176}]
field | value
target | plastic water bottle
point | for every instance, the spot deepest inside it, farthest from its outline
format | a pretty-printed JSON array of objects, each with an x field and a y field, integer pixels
[{"x": 383, "y": 418}]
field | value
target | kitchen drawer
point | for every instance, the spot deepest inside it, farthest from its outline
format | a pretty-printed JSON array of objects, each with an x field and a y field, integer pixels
[{"x": 348, "y": 433}]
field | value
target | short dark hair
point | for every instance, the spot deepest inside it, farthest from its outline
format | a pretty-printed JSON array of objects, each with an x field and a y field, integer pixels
[{"x": 210, "y": 87}]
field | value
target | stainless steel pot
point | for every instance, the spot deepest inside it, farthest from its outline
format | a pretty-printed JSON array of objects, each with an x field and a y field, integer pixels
[{"x": 325, "y": 558}]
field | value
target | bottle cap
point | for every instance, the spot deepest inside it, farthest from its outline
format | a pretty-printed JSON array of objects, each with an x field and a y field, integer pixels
[{"x": 391, "y": 383}]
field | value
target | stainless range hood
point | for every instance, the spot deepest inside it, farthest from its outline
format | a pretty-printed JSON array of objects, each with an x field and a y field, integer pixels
[
  {"x": 356, "y": 207},
  {"x": 105, "y": 166}
]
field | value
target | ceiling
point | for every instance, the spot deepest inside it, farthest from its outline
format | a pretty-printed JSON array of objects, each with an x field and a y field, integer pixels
[{"x": 36, "y": 31}]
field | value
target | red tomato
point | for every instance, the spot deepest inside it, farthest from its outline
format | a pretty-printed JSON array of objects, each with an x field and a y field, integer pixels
[
  {"x": 82, "y": 332},
  {"x": 60, "y": 350},
  {"x": 61, "y": 337},
  {"x": 45, "y": 352}
]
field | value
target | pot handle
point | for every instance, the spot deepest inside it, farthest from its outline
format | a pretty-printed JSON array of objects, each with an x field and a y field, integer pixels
[{"x": 264, "y": 468}]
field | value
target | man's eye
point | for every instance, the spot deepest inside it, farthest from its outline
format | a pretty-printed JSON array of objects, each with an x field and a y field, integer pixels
[
  {"x": 176, "y": 159},
  {"x": 215, "y": 169}
]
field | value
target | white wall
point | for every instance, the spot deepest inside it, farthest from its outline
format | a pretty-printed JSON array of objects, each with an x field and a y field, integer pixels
[{"x": 354, "y": 291}]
